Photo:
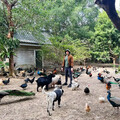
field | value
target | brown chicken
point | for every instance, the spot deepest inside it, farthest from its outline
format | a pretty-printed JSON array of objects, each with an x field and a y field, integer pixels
[
  {"x": 87, "y": 108},
  {"x": 108, "y": 86}
]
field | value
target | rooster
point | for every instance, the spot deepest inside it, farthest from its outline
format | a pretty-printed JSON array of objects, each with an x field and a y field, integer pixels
[
  {"x": 108, "y": 86},
  {"x": 32, "y": 80},
  {"x": 6, "y": 81}
]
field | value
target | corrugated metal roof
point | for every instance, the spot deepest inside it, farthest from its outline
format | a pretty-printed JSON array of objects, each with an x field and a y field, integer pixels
[
  {"x": 27, "y": 37},
  {"x": 24, "y": 36}
]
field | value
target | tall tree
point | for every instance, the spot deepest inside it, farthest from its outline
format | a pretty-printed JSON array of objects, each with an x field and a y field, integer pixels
[
  {"x": 106, "y": 40},
  {"x": 109, "y": 7},
  {"x": 9, "y": 6}
]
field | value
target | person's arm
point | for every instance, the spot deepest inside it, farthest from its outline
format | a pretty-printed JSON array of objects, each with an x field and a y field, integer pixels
[
  {"x": 72, "y": 63},
  {"x": 63, "y": 63}
]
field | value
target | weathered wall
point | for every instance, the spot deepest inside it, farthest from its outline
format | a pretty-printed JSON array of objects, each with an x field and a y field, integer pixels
[{"x": 25, "y": 57}]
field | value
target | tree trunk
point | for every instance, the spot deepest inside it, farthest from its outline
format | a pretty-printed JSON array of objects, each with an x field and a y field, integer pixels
[
  {"x": 11, "y": 65},
  {"x": 10, "y": 32},
  {"x": 109, "y": 7}
]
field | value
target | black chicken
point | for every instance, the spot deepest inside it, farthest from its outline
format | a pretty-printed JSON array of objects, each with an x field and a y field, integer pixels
[
  {"x": 32, "y": 80},
  {"x": 116, "y": 79},
  {"x": 29, "y": 70},
  {"x": 27, "y": 80},
  {"x": 6, "y": 81},
  {"x": 86, "y": 90},
  {"x": 24, "y": 85}
]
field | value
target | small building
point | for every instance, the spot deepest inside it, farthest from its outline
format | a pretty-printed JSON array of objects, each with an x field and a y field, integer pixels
[{"x": 29, "y": 54}]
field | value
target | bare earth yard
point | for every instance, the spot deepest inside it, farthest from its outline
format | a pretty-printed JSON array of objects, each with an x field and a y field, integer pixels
[{"x": 72, "y": 104}]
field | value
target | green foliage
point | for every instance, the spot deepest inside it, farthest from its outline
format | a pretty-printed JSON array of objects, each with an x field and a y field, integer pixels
[
  {"x": 56, "y": 51},
  {"x": 2, "y": 64},
  {"x": 106, "y": 39},
  {"x": 70, "y": 23}
]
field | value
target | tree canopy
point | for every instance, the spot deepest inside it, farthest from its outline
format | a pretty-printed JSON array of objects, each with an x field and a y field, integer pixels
[{"x": 106, "y": 39}]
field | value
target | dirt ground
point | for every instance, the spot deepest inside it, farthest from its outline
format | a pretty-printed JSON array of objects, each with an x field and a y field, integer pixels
[{"x": 72, "y": 104}]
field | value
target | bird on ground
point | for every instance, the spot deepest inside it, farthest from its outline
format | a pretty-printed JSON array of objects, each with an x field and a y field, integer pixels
[
  {"x": 116, "y": 79},
  {"x": 24, "y": 85},
  {"x": 54, "y": 71},
  {"x": 116, "y": 71},
  {"x": 43, "y": 72},
  {"x": 76, "y": 74},
  {"x": 101, "y": 99},
  {"x": 108, "y": 86},
  {"x": 2, "y": 94},
  {"x": 87, "y": 107},
  {"x": 29, "y": 70},
  {"x": 82, "y": 69},
  {"x": 100, "y": 77},
  {"x": 86, "y": 90},
  {"x": 90, "y": 74},
  {"x": 30, "y": 74},
  {"x": 27, "y": 80},
  {"x": 106, "y": 71},
  {"x": 15, "y": 93},
  {"x": 114, "y": 101},
  {"x": 32, "y": 80},
  {"x": 6, "y": 81}
]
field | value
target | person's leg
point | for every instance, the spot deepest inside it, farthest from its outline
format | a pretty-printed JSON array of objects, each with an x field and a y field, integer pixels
[
  {"x": 66, "y": 74},
  {"x": 70, "y": 75}
]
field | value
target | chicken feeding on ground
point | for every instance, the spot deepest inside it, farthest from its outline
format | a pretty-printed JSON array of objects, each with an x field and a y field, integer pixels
[
  {"x": 114, "y": 101},
  {"x": 101, "y": 99},
  {"x": 27, "y": 80},
  {"x": 87, "y": 90},
  {"x": 24, "y": 85},
  {"x": 29, "y": 70},
  {"x": 75, "y": 84},
  {"x": 116, "y": 79},
  {"x": 87, "y": 108},
  {"x": 6, "y": 81},
  {"x": 32, "y": 80},
  {"x": 22, "y": 73},
  {"x": 106, "y": 71}
]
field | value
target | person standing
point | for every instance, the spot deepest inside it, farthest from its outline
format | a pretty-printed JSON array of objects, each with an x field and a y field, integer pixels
[{"x": 67, "y": 65}]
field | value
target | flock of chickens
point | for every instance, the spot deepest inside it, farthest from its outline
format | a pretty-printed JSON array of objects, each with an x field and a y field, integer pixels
[{"x": 114, "y": 101}]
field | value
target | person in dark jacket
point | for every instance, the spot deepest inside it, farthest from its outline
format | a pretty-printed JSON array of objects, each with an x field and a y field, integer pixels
[{"x": 67, "y": 65}]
